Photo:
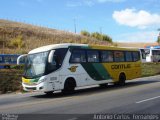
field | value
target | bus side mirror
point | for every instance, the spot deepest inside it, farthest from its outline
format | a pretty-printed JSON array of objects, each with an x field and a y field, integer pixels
[
  {"x": 50, "y": 57},
  {"x": 20, "y": 57}
]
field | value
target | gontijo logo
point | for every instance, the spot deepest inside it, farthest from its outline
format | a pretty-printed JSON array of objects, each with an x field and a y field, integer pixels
[{"x": 73, "y": 68}]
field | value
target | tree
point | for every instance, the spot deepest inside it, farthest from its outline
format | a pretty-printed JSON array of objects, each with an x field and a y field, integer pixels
[
  {"x": 107, "y": 38},
  {"x": 102, "y": 37},
  {"x": 85, "y": 33},
  {"x": 97, "y": 36}
]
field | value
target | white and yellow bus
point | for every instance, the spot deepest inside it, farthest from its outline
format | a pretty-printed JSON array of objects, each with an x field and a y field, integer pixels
[{"x": 67, "y": 66}]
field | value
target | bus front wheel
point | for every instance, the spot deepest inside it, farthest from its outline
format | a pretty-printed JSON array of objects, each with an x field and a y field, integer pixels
[{"x": 69, "y": 86}]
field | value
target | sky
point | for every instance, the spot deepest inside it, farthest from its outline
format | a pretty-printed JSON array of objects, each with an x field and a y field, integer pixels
[{"x": 122, "y": 20}]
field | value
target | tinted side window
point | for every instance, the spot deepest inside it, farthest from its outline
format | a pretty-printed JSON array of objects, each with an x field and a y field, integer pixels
[
  {"x": 156, "y": 52},
  {"x": 59, "y": 55},
  {"x": 128, "y": 56},
  {"x": 78, "y": 56},
  {"x": 92, "y": 56},
  {"x": 136, "y": 56},
  {"x": 107, "y": 56},
  {"x": 57, "y": 60},
  {"x": 119, "y": 56}
]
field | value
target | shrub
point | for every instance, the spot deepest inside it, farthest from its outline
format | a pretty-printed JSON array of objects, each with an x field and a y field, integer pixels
[
  {"x": 107, "y": 38},
  {"x": 10, "y": 80},
  {"x": 85, "y": 33},
  {"x": 97, "y": 36},
  {"x": 17, "y": 42}
]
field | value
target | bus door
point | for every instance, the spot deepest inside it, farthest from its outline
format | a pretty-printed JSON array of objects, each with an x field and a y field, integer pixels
[{"x": 55, "y": 66}]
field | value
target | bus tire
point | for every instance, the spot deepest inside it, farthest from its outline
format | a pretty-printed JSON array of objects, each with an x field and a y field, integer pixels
[
  {"x": 122, "y": 80},
  {"x": 69, "y": 86}
]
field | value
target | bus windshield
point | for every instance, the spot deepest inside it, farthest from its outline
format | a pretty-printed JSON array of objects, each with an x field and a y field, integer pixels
[{"x": 35, "y": 65}]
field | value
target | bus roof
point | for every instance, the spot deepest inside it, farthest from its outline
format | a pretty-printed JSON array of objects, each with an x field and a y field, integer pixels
[
  {"x": 54, "y": 46},
  {"x": 66, "y": 45},
  {"x": 112, "y": 48}
]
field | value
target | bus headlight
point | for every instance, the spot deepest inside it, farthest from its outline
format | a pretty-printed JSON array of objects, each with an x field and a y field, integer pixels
[{"x": 42, "y": 80}]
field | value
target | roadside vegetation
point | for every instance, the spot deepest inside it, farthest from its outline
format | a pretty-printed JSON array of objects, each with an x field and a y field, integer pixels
[
  {"x": 150, "y": 69},
  {"x": 10, "y": 80},
  {"x": 97, "y": 35},
  {"x": 20, "y": 38}
]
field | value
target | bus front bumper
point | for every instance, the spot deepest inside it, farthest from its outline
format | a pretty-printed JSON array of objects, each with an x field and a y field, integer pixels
[{"x": 38, "y": 87}]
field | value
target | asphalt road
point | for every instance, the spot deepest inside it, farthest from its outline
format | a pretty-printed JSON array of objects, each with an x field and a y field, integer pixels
[{"x": 139, "y": 96}]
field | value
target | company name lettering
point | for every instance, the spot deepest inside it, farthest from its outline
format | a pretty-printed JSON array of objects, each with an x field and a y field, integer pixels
[{"x": 121, "y": 66}]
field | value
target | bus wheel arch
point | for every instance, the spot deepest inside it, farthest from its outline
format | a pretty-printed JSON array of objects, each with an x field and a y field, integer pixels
[
  {"x": 69, "y": 85},
  {"x": 121, "y": 79}
]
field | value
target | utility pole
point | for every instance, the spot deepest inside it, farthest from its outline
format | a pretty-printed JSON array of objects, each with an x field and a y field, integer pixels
[
  {"x": 75, "y": 29},
  {"x": 100, "y": 30}
]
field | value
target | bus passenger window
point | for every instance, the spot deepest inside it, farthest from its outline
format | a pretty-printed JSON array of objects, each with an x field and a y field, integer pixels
[
  {"x": 107, "y": 56},
  {"x": 128, "y": 56},
  {"x": 58, "y": 58},
  {"x": 119, "y": 56},
  {"x": 136, "y": 56},
  {"x": 78, "y": 56},
  {"x": 93, "y": 56}
]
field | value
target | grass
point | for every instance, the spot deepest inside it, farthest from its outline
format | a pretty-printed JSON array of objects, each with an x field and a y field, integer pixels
[
  {"x": 137, "y": 45},
  {"x": 150, "y": 69},
  {"x": 10, "y": 80},
  {"x": 36, "y": 36}
]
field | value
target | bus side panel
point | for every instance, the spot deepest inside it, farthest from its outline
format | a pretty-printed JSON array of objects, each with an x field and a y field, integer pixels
[
  {"x": 130, "y": 69},
  {"x": 96, "y": 71}
]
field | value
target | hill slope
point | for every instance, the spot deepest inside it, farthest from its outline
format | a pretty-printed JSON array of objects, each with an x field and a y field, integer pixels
[
  {"x": 20, "y": 38},
  {"x": 136, "y": 45}
]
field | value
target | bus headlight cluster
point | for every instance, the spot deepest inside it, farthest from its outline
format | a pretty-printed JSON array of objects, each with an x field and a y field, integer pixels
[{"x": 42, "y": 80}]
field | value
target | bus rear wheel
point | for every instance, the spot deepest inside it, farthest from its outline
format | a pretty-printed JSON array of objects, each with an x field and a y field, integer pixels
[
  {"x": 69, "y": 86},
  {"x": 122, "y": 80}
]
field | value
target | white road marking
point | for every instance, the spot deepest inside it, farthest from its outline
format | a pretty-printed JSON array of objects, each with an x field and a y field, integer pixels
[{"x": 148, "y": 99}]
